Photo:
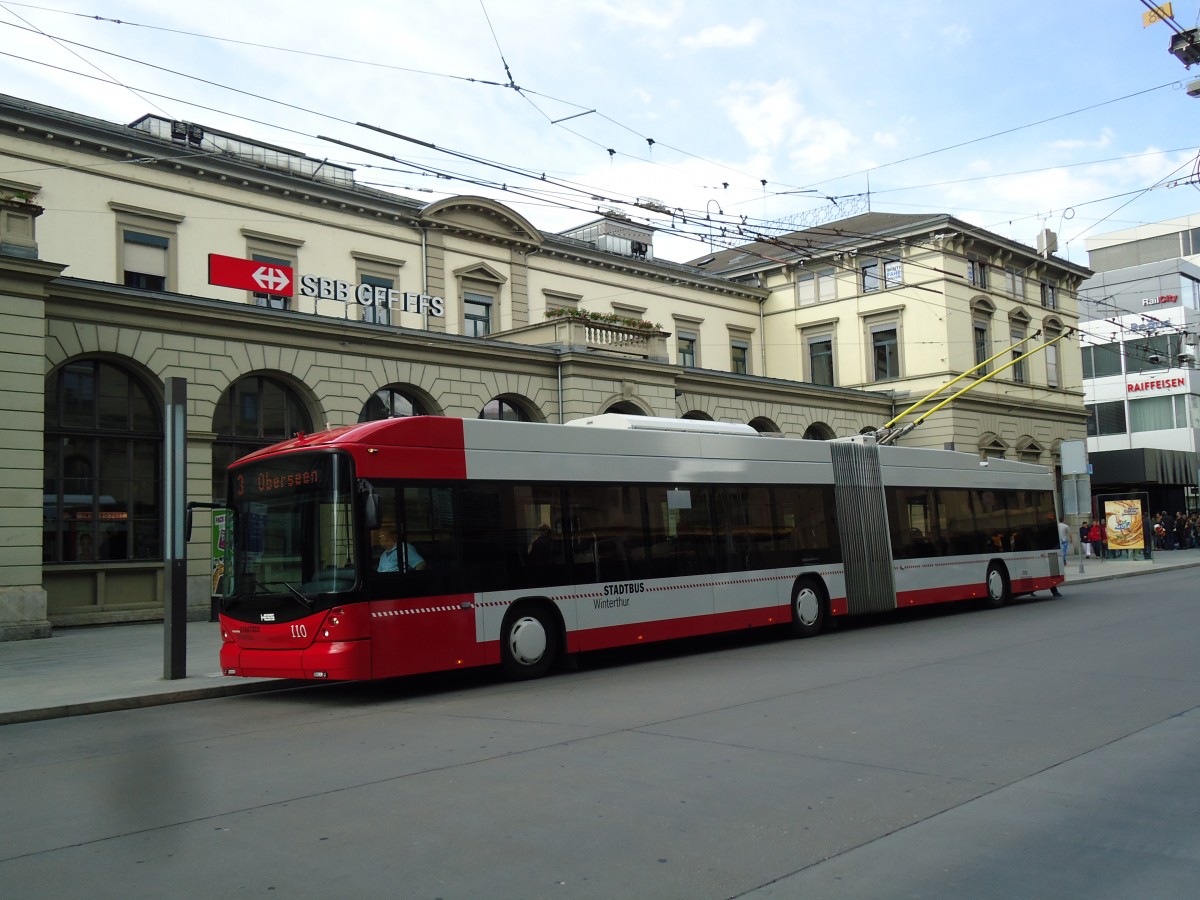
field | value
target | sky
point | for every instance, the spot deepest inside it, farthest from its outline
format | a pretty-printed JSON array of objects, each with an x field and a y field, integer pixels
[{"x": 736, "y": 119}]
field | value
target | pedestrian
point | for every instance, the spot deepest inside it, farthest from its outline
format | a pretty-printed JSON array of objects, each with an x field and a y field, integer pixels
[
  {"x": 1095, "y": 541},
  {"x": 1085, "y": 542},
  {"x": 1105, "y": 553},
  {"x": 1181, "y": 531},
  {"x": 1064, "y": 539}
]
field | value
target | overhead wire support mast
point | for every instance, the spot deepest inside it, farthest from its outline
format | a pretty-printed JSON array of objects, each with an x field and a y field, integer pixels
[{"x": 888, "y": 435}]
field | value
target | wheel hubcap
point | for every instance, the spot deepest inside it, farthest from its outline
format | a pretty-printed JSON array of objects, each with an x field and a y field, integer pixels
[
  {"x": 807, "y": 607},
  {"x": 527, "y": 640},
  {"x": 996, "y": 585}
]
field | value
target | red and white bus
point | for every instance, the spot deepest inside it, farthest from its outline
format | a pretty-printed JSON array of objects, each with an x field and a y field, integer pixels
[{"x": 517, "y": 543}]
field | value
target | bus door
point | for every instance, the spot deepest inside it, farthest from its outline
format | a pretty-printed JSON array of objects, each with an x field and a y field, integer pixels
[
  {"x": 422, "y": 616},
  {"x": 746, "y": 543}
]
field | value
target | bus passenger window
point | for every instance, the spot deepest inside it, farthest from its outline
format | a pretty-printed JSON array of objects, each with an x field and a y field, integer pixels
[
  {"x": 428, "y": 527},
  {"x": 541, "y": 548}
]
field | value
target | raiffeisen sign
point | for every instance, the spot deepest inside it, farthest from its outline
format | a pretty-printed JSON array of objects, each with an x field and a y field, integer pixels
[
  {"x": 1158, "y": 384},
  {"x": 280, "y": 281}
]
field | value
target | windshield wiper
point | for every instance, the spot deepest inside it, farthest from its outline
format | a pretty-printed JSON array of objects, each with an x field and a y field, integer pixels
[
  {"x": 299, "y": 595},
  {"x": 296, "y": 592}
]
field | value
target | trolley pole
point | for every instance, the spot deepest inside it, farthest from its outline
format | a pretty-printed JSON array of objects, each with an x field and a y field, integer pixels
[{"x": 174, "y": 504}]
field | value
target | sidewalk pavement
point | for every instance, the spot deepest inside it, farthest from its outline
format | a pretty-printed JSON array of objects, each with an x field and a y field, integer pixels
[{"x": 78, "y": 671}]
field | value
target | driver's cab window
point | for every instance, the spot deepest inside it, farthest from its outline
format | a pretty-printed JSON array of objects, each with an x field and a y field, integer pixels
[{"x": 416, "y": 532}]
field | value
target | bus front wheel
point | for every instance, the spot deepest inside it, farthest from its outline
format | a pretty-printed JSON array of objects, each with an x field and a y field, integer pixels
[
  {"x": 808, "y": 608},
  {"x": 998, "y": 591},
  {"x": 528, "y": 642}
]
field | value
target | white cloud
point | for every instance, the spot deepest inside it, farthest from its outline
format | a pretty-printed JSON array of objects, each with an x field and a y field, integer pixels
[
  {"x": 1104, "y": 140},
  {"x": 724, "y": 36},
  {"x": 763, "y": 114},
  {"x": 772, "y": 122},
  {"x": 645, "y": 15},
  {"x": 957, "y": 35}
]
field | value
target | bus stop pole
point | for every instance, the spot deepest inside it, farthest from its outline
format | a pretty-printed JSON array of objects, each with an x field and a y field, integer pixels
[{"x": 174, "y": 505}]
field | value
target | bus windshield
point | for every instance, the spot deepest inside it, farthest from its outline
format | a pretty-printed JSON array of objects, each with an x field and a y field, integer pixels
[{"x": 293, "y": 534}]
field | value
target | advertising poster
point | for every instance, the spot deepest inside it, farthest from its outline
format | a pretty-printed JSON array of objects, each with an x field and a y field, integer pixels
[
  {"x": 1123, "y": 519},
  {"x": 220, "y": 548}
]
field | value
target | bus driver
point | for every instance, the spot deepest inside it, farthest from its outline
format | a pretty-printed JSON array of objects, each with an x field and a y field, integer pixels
[{"x": 389, "y": 561}]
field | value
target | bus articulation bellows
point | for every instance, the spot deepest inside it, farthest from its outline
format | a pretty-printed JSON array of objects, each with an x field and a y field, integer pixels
[{"x": 425, "y": 544}]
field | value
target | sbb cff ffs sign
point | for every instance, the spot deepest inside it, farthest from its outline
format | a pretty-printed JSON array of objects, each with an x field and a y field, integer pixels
[{"x": 251, "y": 275}]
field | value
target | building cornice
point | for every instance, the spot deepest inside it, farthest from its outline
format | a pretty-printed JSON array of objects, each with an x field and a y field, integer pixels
[{"x": 51, "y": 127}]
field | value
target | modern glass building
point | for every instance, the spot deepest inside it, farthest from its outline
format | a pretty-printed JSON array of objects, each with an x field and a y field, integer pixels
[{"x": 1140, "y": 324}]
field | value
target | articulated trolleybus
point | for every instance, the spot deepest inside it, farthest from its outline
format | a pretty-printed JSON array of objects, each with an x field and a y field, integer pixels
[{"x": 424, "y": 544}]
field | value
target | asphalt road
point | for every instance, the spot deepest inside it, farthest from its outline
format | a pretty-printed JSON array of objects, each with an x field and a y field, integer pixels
[{"x": 1048, "y": 749}]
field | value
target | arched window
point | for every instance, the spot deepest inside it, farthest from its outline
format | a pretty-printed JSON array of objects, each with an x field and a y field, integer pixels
[
  {"x": 505, "y": 410},
  {"x": 103, "y": 466},
  {"x": 625, "y": 408},
  {"x": 818, "y": 431},
  {"x": 698, "y": 415},
  {"x": 391, "y": 403},
  {"x": 255, "y": 412},
  {"x": 763, "y": 425}
]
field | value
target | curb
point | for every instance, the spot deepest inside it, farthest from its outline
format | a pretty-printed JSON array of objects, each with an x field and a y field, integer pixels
[
  {"x": 141, "y": 701},
  {"x": 1149, "y": 568}
]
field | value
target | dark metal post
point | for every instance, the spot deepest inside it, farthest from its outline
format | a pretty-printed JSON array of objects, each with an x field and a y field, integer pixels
[{"x": 174, "y": 504}]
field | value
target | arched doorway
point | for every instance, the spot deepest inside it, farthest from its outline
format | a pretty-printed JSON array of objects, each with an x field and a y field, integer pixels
[
  {"x": 101, "y": 497},
  {"x": 255, "y": 412},
  {"x": 626, "y": 408},
  {"x": 818, "y": 431},
  {"x": 394, "y": 402},
  {"x": 506, "y": 409}
]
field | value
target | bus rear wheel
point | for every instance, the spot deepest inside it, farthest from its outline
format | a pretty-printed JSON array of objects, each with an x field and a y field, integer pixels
[
  {"x": 998, "y": 591},
  {"x": 528, "y": 642},
  {"x": 808, "y": 608}
]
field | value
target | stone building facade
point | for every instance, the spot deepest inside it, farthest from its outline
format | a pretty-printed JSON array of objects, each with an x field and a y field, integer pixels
[{"x": 115, "y": 243}]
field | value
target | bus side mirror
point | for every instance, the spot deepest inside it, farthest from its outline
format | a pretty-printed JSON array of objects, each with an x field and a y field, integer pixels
[
  {"x": 187, "y": 515},
  {"x": 372, "y": 505}
]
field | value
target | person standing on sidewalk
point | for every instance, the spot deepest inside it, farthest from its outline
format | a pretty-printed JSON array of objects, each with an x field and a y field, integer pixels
[
  {"x": 1064, "y": 539},
  {"x": 1085, "y": 542},
  {"x": 1095, "y": 540}
]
